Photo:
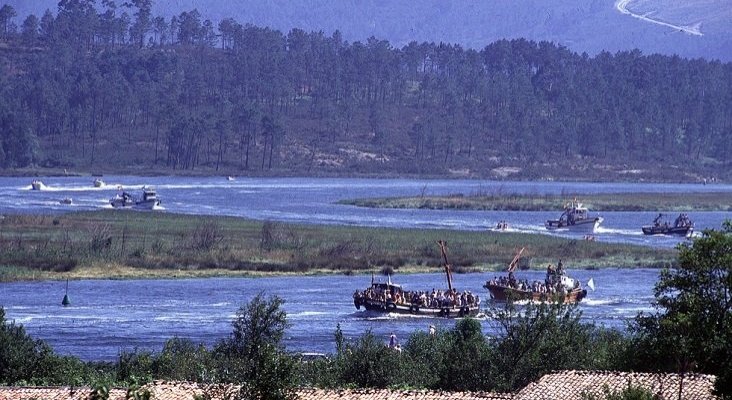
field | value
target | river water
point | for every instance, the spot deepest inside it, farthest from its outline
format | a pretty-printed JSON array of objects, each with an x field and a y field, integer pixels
[
  {"x": 108, "y": 316},
  {"x": 312, "y": 200}
]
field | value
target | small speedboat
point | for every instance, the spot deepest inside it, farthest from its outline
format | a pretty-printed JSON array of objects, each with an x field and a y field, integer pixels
[
  {"x": 230, "y": 178},
  {"x": 66, "y": 200},
  {"x": 99, "y": 183}
]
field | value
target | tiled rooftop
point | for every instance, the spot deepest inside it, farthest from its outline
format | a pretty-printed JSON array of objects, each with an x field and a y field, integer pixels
[
  {"x": 572, "y": 384},
  {"x": 567, "y": 385}
]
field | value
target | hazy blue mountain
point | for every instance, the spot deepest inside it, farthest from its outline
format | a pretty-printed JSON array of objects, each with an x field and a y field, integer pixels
[{"x": 582, "y": 25}]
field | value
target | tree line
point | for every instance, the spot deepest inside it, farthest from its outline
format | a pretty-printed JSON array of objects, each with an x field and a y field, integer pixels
[{"x": 108, "y": 85}]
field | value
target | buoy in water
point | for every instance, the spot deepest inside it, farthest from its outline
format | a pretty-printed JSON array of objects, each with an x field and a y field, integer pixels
[{"x": 66, "y": 301}]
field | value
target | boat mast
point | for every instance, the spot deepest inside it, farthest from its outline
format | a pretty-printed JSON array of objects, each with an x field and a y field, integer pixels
[
  {"x": 442, "y": 244},
  {"x": 514, "y": 262}
]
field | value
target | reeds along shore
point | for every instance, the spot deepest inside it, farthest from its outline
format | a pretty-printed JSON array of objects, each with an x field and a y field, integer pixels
[
  {"x": 111, "y": 244},
  {"x": 499, "y": 201}
]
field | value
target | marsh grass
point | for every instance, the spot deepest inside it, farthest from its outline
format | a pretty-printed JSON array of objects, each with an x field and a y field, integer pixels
[
  {"x": 534, "y": 202},
  {"x": 111, "y": 243}
]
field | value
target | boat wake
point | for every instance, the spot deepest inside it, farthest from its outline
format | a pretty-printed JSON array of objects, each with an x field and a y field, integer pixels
[{"x": 612, "y": 231}]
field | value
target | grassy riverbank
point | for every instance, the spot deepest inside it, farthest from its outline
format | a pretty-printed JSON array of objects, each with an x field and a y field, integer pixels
[
  {"x": 676, "y": 202},
  {"x": 123, "y": 244}
]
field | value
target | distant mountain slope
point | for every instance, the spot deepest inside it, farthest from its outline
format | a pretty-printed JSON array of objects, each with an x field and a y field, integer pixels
[{"x": 582, "y": 25}]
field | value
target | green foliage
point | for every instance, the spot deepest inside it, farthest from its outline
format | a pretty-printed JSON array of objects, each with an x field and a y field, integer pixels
[
  {"x": 254, "y": 356},
  {"x": 537, "y": 340},
  {"x": 21, "y": 357},
  {"x": 183, "y": 360},
  {"x": 100, "y": 392},
  {"x": 368, "y": 363},
  {"x": 692, "y": 330},
  {"x": 135, "y": 366},
  {"x": 631, "y": 392}
]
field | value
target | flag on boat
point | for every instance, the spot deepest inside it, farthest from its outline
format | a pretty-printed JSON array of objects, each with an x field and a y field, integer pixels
[{"x": 591, "y": 284}]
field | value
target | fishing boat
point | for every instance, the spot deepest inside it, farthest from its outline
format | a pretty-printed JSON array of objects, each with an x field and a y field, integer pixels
[
  {"x": 575, "y": 218},
  {"x": 388, "y": 297},
  {"x": 682, "y": 226},
  {"x": 149, "y": 200},
  {"x": 557, "y": 286},
  {"x": 36, "y": 184}
]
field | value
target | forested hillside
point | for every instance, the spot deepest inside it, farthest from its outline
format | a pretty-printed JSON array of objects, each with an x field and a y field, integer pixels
[{"x": 116, "y": 88}]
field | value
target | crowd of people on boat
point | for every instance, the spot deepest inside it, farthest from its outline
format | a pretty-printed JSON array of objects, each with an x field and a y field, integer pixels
[
  {"x": 435, "y": 299},
  {"x": 552, "y": 283},
  {"x": 682, "y": 220}
]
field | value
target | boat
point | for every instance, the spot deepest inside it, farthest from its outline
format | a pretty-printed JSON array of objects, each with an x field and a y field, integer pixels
[
  {"x": 99, "y": 183},
  {"x": 66, "y": 200},
  {"x": 576, "y": 218},
  {"x": 557, "y": 286},
  {"x": 122, "y": 200},
  {"x": 230, "y": 178},
  {"x": 388, "y": 297},
  {"x": 37, "y": 185},
  {"x": 682, "y": 226},
  {"x": 147, "y": 201}
]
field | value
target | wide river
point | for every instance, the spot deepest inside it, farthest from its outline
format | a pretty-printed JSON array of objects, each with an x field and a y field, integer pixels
[{"x": 109, "y": 316}]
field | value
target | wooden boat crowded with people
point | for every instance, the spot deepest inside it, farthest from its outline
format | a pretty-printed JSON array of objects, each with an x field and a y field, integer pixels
[
  {"x": 557, "y": 286},
  {"x": 387, "y": 297}
]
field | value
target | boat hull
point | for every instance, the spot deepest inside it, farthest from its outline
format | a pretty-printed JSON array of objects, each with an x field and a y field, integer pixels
[
  {"x": 671, "y": 230},
  {"x": 587, "y": 225},
  {"x": 409, "y": 309},
  {"x": 502, "y": 293},
  {"x": 147, "y": 204}
]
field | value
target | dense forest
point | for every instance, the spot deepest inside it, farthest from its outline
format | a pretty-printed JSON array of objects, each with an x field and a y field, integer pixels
[{"x": 108, "y": 87}]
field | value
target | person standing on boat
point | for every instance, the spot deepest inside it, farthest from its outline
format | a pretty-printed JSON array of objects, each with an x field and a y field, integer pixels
[{"x": 560, "y": 267}]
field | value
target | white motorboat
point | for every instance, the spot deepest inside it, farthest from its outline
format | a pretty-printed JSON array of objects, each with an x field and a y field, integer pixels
[
  {"x": 36, "y": 184},
  {"x": 149, "y": 200},
  {"x": 575, "y": 218}
]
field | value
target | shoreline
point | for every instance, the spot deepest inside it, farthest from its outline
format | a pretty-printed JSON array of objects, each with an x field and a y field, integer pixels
[
  {"x": 55, "y": 173},
  {"x": 128, "y": 273}
]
